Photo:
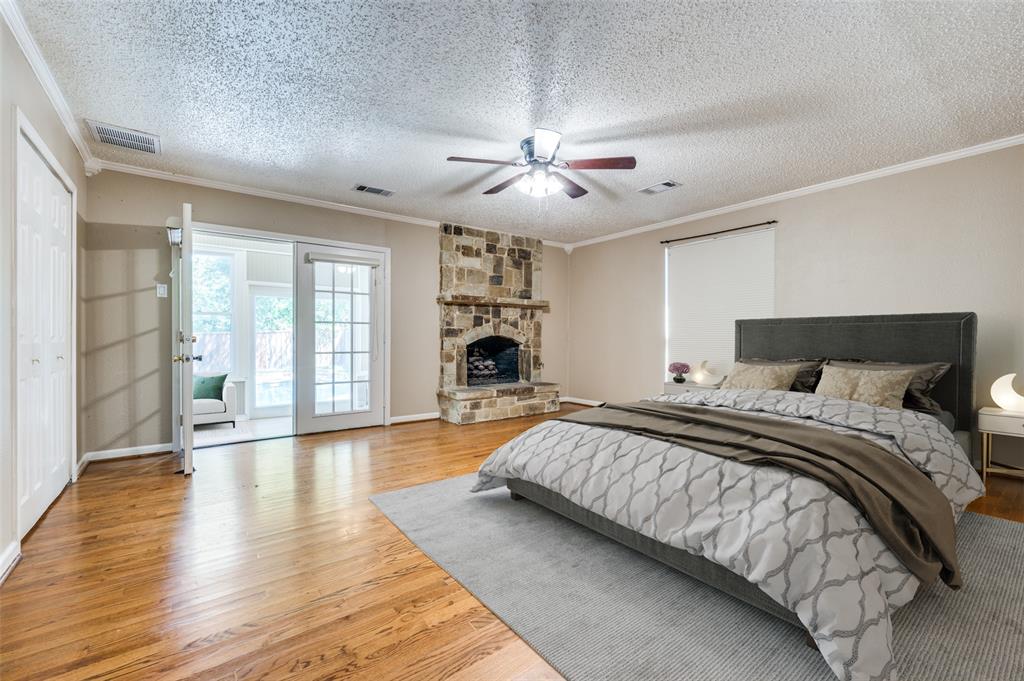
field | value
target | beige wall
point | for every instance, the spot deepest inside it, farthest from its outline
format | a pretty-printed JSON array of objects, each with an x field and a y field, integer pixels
[
  {"x": 555, "y": 332},
  {"x": 125, "y": 339},
  {"x": 127, "y": 255},
  {"x": 20, "y": 89},
  {"x": 948, "y": 237}
]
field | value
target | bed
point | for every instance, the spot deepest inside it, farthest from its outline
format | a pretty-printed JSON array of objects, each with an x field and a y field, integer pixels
[{"x": 828, "y": 543}]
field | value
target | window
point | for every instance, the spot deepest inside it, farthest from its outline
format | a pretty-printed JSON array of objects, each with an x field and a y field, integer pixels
[
  {"x": 709, "y": 285},
  {"x": 341, "y": 309},
  {"x": 272, "y": 316},
  {"x": 212, "y": 323}
]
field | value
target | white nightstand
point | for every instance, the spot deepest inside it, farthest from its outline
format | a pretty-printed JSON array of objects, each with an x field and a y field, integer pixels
[
  {"x": 673, "y": 388},
  {"x": 995, "y": 421}
]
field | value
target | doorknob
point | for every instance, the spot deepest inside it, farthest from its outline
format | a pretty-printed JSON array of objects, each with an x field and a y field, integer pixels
[{"x": 176, "y": 358}]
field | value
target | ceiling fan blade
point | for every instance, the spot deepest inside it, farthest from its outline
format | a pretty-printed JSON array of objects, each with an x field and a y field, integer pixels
[
  {"x": 463, "y": 159},
  {"x": 505, "y": 185},
  {"x": 568, "y": 186},
  {"x": 612, "y": 163},
  {"x": 545, "y": 143}
]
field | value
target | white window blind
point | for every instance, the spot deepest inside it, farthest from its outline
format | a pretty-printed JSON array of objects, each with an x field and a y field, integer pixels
[{"x": 709, "y": 285}]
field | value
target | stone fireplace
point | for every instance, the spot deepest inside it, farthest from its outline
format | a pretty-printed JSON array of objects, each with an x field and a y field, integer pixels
[{"x": 491, "y": 327}]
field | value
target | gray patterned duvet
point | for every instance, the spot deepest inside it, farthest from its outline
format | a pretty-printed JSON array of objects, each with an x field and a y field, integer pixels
[{"x": 806, "y": 547}]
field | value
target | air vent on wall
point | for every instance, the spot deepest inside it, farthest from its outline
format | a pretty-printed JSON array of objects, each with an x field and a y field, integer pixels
[
  {"x": 136, "y": 140},
  {"x": 373, "y": 190},
  {"x": 660, "y": 187}
]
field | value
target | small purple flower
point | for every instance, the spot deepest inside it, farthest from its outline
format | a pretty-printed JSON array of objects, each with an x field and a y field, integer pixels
[{"x": 679, "y": 368}]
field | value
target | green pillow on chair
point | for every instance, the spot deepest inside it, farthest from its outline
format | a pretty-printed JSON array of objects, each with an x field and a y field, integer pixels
[{"x": 208, "y": 387}]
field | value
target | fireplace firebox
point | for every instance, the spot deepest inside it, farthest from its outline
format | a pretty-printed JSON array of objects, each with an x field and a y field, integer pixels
[{"x": 494, "y": 359}]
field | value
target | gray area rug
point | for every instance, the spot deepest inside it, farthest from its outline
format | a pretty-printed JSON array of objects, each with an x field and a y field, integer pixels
[{"x": 597, "y": 610}]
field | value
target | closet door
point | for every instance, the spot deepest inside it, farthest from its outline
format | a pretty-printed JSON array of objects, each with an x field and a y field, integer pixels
[{"x": 43, "y": 317}]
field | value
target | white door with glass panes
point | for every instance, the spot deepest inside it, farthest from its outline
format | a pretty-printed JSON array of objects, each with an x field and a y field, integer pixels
[{"x": 339, "y": 335}]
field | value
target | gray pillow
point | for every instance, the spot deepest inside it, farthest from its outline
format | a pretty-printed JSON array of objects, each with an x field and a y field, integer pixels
[
  {"x": 947, "y": 420},
  {"x": 926, "y": 377},
  {"x": 807, "y": 375}
]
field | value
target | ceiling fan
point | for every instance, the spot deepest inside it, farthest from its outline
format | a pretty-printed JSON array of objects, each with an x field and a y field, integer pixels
[{"x": 542, "y": 177}]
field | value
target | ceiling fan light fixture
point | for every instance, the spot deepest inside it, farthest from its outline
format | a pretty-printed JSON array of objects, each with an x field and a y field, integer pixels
[
  {"x": 545, "y": 143},
  {"x": 539, "y": 183}
]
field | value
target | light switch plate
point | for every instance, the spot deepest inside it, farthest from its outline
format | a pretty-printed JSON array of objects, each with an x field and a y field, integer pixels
[{"x": 161, "y": 290}]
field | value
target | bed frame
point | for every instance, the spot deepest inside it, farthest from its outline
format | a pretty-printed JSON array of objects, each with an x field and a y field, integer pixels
[{"x": 944, "y": 337}]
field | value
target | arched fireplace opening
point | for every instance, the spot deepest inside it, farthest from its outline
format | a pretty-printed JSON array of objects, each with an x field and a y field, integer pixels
[{"x": 494, "y": 359}]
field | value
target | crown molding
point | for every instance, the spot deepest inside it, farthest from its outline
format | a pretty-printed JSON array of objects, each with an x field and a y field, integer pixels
[
  {"x": 944, "y": 157},
  {"x": 263, "y": 193},
  {"x": 29, "y": 47}
]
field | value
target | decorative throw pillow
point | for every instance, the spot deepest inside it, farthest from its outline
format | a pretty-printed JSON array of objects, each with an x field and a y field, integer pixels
[
  {"x": 767, "y": 377},
  {"x": 926, "y": 377},
  {"x": 873, "y": 386},
  {"x": 807, "y": 374},
  {"x": 208, "y": 387}
]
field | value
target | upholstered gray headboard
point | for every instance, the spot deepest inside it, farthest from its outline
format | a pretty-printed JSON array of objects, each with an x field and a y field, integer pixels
[{"x": 942, "y": 337}]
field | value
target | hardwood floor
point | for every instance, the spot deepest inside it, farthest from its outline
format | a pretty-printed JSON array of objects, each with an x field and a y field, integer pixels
[
  {"x": 270, "y": 563},
  {"x": 1004, "y": 498}
]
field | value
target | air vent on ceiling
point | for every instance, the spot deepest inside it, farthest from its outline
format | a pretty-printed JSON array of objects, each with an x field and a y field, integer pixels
[
  {"x": 373, "y": 190},
  {"x": 660, "y": 187},
  {"x": 127, "y": 138}
]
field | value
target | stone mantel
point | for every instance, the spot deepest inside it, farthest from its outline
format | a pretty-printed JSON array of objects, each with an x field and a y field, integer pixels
[{"x": 487, "y": 301}]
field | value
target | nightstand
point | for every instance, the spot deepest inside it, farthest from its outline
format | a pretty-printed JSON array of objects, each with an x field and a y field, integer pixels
[
  {"x": 995, "y": 421},
  {"x": 673, "y": 388}
]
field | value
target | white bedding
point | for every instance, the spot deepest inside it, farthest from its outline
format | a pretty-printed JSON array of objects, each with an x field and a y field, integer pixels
[{"x": 797, "y": 540}]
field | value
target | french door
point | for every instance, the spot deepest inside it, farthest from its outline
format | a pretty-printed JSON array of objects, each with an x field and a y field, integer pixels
[
  {"x": 339, "y": 333},
  {"x": 179, "y": 232},
  {"x": 43, "y": 405}
]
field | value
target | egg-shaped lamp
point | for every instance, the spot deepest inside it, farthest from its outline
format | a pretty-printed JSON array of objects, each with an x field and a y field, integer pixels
[{"x": 1005, "y": 396}]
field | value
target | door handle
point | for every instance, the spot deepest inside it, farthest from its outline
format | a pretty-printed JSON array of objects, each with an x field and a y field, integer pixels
[
  {"x": 176, "y": 358},
  {"x": 197, "y": 358},
  {"x": 35, "y": 360},
  {"x": 60, "y": 357}
]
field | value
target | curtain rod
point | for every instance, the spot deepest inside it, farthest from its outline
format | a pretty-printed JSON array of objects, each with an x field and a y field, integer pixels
[{"x": 724, "y": 231}]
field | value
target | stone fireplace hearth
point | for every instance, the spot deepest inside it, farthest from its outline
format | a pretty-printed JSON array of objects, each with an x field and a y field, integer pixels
[{"x": 491, "y": 327}]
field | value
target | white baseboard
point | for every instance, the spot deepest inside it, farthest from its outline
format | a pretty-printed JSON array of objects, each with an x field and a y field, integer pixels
[
  {"x": 141, "y": 450},
  {"x": 580, "y": 400},
  {"x": 82, "y": 464},
  {"x": 8, "y": 559},
  {"x": 409, "y": 418}
]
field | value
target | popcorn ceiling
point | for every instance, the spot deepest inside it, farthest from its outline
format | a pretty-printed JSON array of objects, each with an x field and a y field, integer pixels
[{"x": 734, "y": 100}]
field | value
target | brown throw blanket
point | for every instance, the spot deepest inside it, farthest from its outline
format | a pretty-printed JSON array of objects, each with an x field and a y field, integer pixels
[{"x": 902, "y": 504}]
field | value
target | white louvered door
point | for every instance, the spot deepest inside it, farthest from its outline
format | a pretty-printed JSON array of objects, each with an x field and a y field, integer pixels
[{"x": 44, "y": 298}]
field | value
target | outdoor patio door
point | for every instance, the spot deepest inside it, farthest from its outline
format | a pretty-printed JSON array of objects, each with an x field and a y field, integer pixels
[{"x": 339, "y": 335}]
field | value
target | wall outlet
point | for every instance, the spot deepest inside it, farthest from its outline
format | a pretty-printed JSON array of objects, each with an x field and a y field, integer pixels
[{"x": 161, "y": 290}]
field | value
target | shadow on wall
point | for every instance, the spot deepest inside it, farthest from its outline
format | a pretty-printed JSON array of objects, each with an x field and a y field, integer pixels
[{"x": 126, "y": 348}]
